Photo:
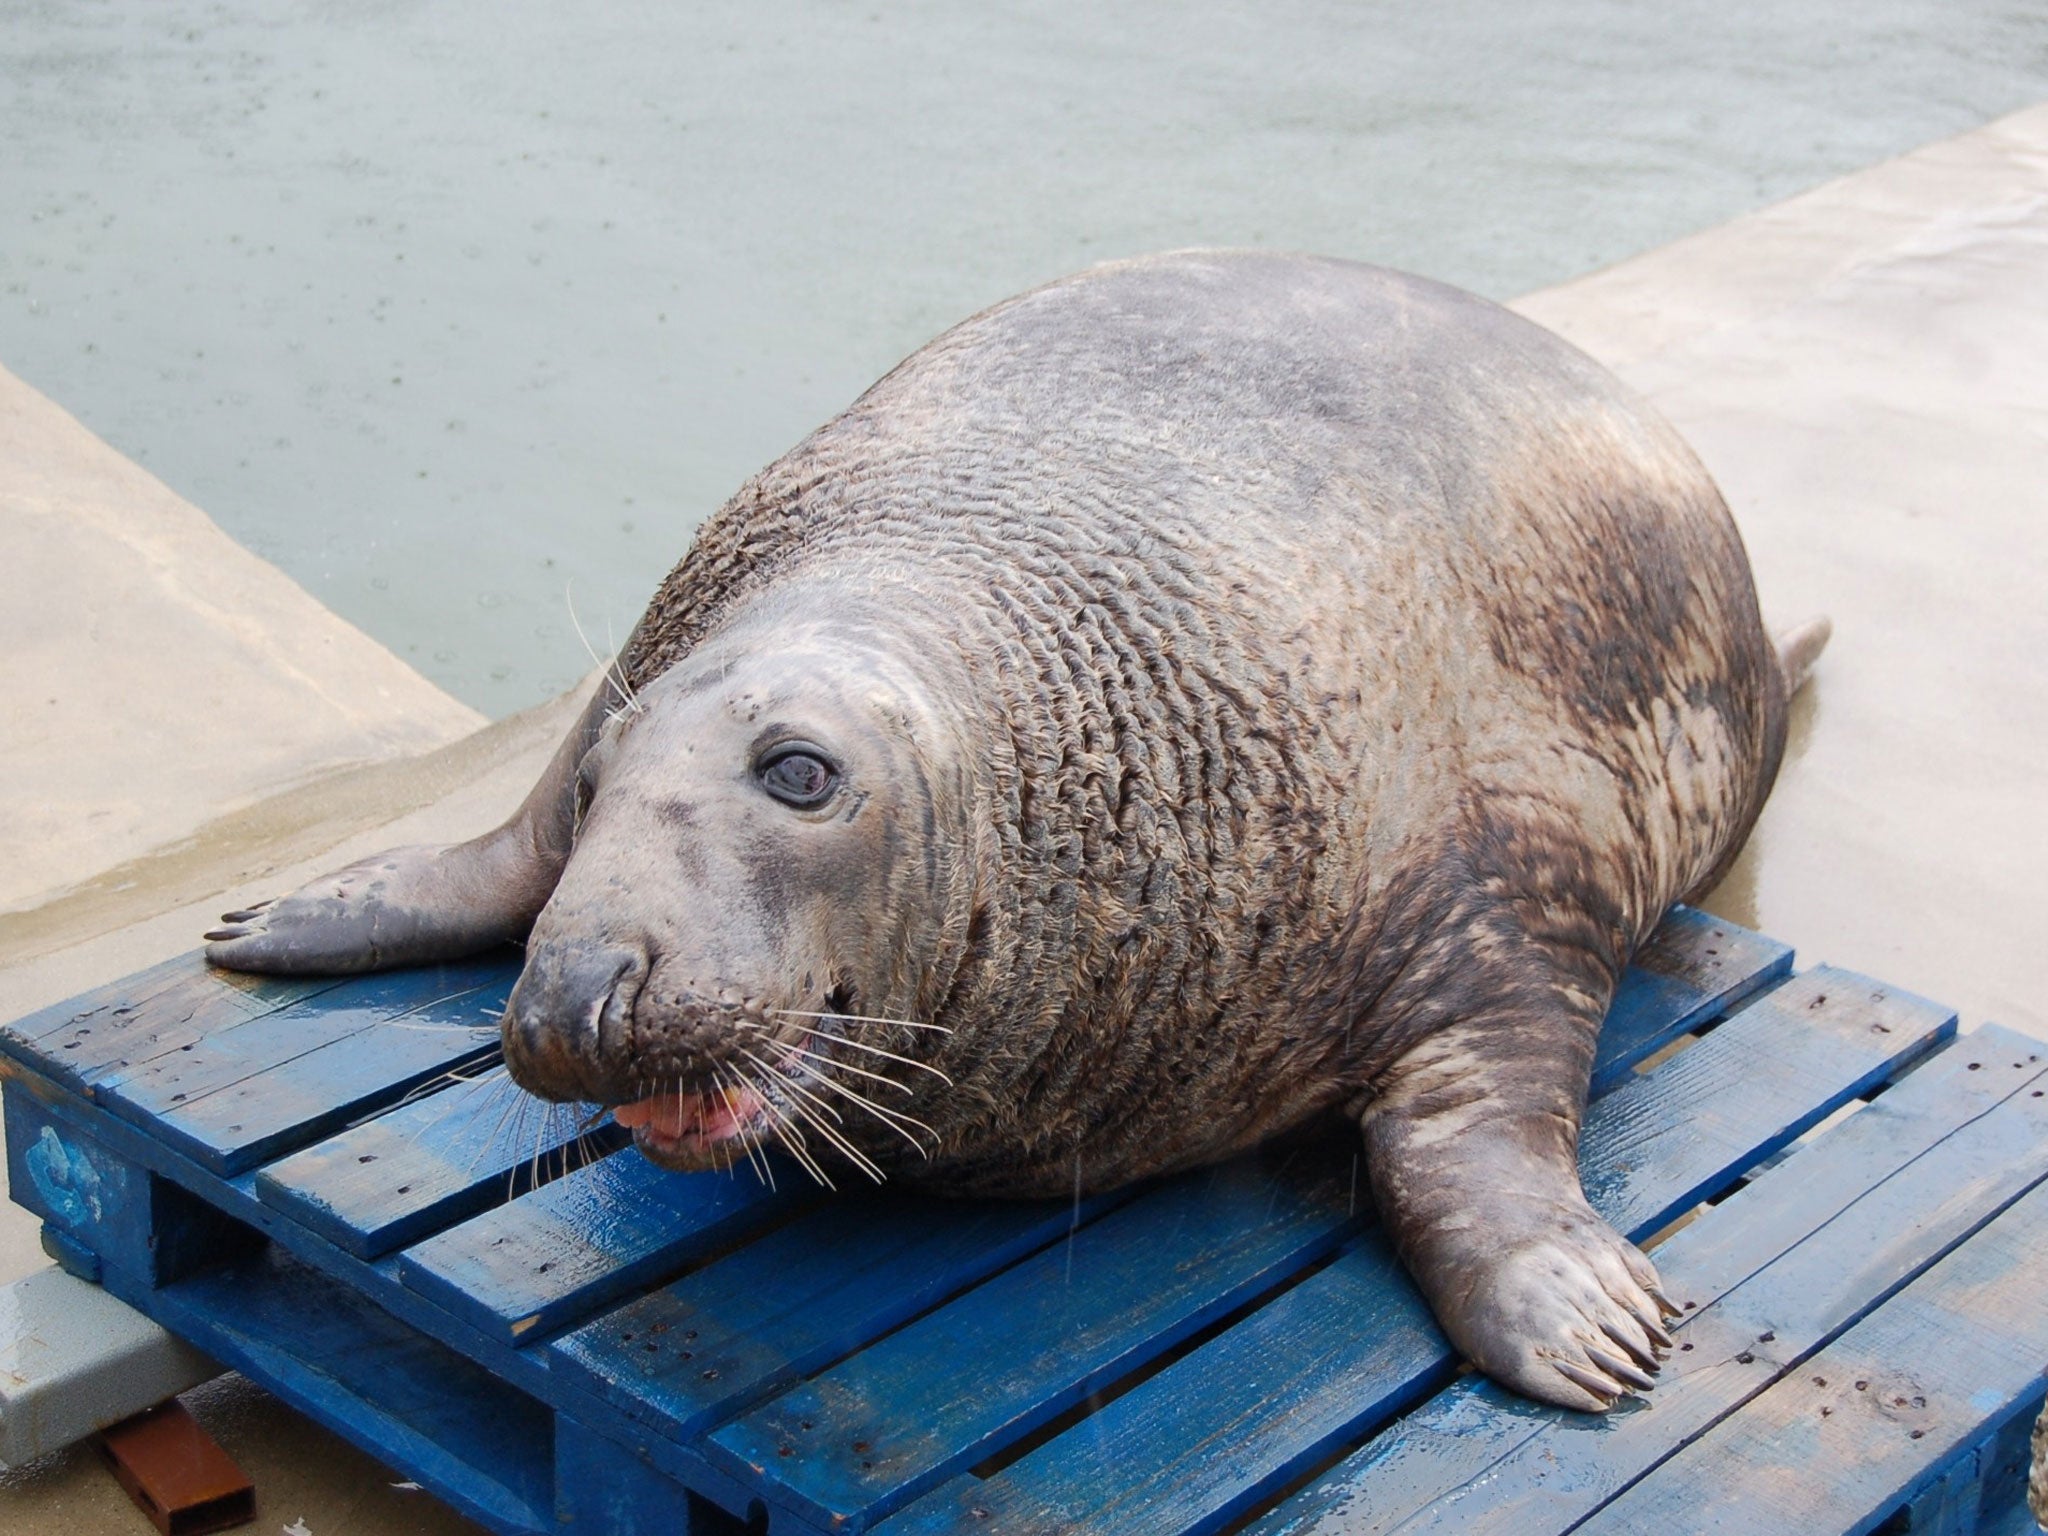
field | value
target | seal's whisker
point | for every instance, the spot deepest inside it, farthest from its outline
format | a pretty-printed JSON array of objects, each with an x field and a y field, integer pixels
[
  {"x": 887, "y": 1117},
  {"x": 792, "y": 1139},
  {"x": 860, "y": 1159},
  {"x": 746, "y": 1129},
  {"x": 781, "y": 1076},
  {"x": 488, "y": 1143},
  {"x": 614, "y": 673},
  {"x": 793, "y": 1136},
  {"x": 433, "y": 1085},
  {"x": 538, "y": 1162},
  {"x": 463, "y": 1074},
  {"x": 846, "y": 1066},
  {"x": 876, "y": 1050},
  {"x": 863, "y": 1018}
]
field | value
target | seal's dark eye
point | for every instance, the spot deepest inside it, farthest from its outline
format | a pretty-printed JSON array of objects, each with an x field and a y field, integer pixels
[{"x": 798, "y": 776}]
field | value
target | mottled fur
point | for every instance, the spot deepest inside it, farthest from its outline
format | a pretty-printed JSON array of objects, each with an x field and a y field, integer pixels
[
  {"x": 1265, "y": 685},
  {"x": 1315, "y": 627}
]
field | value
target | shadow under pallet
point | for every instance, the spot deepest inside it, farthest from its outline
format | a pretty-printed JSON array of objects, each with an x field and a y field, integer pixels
[{"x": 332, "y": 1187}]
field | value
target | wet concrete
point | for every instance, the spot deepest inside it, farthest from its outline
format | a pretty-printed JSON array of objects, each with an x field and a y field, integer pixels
[
  {"x": 1864, "y": 368},
  {"x": 1865, "y": 371}
]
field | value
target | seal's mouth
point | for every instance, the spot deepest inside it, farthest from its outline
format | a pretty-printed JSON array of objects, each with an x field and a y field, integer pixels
[{"x": 680, "y": 1128}]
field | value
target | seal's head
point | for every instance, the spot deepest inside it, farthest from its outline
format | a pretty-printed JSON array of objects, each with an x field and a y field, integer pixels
[{"x": 773, "y": 856}]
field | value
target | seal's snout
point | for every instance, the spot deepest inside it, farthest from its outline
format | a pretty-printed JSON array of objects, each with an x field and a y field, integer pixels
[{"x": 570, "y": 1016}]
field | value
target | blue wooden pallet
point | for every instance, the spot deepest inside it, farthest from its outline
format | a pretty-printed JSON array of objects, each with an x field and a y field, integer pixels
[{"x": 330, "y": 1186}]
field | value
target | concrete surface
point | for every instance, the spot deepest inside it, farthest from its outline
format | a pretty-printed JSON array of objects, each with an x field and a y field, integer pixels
[
  {"x": 1865, "y": 371},
  {"x": 73, "y": 1359},
  {"x": 1864, "y": 368},
  {"x": 153, "y": 673}
]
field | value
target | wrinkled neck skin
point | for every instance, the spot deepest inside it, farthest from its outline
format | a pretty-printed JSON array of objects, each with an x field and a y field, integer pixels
[
  {"x": 709, "y": 942},
  {"x": 1015, "y": 931}
]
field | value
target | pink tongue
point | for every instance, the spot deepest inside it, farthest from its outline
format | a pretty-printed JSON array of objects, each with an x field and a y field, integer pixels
[{"x": 675, "y": 1114}]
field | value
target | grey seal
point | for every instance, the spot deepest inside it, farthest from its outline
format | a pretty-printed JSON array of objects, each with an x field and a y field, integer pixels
[{"x": 1196, "y": 696}]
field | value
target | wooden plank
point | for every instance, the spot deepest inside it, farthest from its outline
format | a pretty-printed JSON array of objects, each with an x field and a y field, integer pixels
[
  {"x": 1824, "y": 1022},
  {"x": 694, "y": 1353},
  {"x": 332, "y": 1353},
  {"x": 161, "y": 1008},
  {"x": 1861, "y": 1426},
  {"x": 236, "y": 1039},
  {"x": 753, "y": 1333},
  {"x": 246, "y": 1094},
  {"x": 1769, "y": 1276},
  {"x": 553, "y": 1257},
  {"x": 1199, "y": 1444},
  {"x": 228, "y": 1051},
  {"x": 1694, "y": 968},
  {"x": 431, "y": 1163},
  {"x": 848, "y": 1445},
  {"x": 604, "y": 1489}
]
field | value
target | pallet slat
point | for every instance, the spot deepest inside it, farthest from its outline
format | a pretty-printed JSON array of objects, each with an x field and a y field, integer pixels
[
  {"x": 1883, "y": 1410},
  {"x": 1354, "y": 1343},
  {"x": 553, "y": 1257},
  {"x": 245, "y": 1092},
  {"x": 162, "y": 1008},
  {"x": 1694, "y": 968},
  {"x": 1828, "y": 1027},
  {"x": 844, "y": 1447},
  {"x": 431, "y": 1163},
  {"x": 1770, "y": 1274},
  {"x": 694, "y": 1353}
]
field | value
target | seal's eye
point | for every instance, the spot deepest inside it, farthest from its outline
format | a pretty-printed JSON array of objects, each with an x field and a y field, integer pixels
[{"x": 798, "y": 776}]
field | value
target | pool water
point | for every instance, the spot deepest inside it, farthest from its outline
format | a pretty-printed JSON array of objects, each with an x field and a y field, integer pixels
[{"x": 465, "y": 314}]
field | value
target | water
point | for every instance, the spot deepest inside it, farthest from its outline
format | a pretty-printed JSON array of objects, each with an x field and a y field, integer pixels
[{"x": 462, "y": 313}]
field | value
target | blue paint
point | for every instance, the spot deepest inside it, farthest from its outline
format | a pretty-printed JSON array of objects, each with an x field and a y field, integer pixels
[
  {"x": 712, "y": 1347},
  {"x": 66, "y": 1179}
]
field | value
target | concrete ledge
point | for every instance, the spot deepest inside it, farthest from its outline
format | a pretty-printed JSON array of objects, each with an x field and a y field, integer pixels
[
  {"x": 74, "y": 1360},
  {"x": 153, "y": 673}
]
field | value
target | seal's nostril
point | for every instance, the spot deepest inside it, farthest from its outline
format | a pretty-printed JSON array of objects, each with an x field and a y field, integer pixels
[{"x": 569, "y": 1015}]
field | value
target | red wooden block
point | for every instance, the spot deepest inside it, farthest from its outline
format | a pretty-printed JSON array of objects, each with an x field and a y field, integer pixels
[{"x": 176, "y": 1473}]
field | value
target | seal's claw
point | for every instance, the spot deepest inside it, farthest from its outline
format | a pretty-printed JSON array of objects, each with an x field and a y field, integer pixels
[
  {"x": 1620, "y": 1369},
  {"x": 1601, "y": 1391},
  {"x": 1653, "y": 1325},
  {"x": 1645, "y": 1356},
  {"x": 1557, "y": 1312}
]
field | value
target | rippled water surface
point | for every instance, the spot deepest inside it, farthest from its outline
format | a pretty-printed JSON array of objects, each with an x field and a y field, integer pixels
[{"x": 463, "y": 312}]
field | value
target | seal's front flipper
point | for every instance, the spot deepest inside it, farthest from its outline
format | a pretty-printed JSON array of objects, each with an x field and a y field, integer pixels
[
  {"x": 400, "y": 907},
  {"x": 1472, "y": 1143},
  {"x": 410, "y": 905}
]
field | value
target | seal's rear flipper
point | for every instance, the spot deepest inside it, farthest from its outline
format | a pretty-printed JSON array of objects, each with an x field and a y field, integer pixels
[{"x": 1799, "y": 647}]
